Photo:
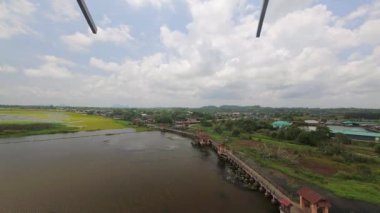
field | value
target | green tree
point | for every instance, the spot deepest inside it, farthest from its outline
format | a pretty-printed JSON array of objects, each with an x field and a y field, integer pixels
[
  {"x": 164, "y": 119},
  {"x": 306, "y": 138},
  {"x": 322, "y": 133},
  {"x": 292, "y": 133},
  {"x": 130, "y": 115},
  {"x": 229, "y": 125},
  {"x": 117, "y": 112},
  {"x": 179, "y": 115}
]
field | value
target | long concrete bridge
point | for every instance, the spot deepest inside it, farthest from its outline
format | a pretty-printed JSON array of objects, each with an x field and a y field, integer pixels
[{"x": 248, "y": 175}]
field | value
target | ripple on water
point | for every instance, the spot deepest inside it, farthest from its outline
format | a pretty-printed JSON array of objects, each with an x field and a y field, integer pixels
[{"x": 131, "y": 172}]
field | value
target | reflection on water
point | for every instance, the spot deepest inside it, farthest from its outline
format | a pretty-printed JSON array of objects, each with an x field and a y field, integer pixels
[{"x": 119, "y": 172}]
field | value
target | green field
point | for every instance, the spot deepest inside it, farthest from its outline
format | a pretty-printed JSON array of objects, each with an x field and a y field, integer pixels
[
  {"x": 23, "y": 122},
  {"x": 358, "y": 178}
]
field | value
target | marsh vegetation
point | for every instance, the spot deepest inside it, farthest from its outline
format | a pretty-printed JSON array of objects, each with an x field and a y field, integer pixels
[
  {"x": 24, "y": 122},
  {"x": 345, "y": 168}
]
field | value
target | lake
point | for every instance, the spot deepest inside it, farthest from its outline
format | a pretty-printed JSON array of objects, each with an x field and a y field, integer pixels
[{"x": 118, "y": 171}]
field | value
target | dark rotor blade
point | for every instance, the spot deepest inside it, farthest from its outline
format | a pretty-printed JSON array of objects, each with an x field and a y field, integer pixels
[
  {"x": 262, "y": 16},
  {"x": 87, "y": 15}
]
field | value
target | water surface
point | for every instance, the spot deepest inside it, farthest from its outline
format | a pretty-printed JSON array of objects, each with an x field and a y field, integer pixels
[{"x": 117, "y": 171}]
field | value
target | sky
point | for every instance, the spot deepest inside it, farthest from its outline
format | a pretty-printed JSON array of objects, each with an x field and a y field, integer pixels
[{"x": 191, "y": 53}]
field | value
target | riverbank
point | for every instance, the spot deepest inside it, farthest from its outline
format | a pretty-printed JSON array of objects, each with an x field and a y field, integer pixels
[
  {"x": 291, "y": 185},
  {"x": 351, "y": 185},
  {"x": 8, "y": 130}
]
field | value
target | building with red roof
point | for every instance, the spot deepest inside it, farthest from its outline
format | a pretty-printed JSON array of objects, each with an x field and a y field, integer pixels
[{"x": 310, "y": 198}]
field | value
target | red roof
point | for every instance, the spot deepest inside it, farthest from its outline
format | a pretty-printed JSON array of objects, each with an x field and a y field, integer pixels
[
  {"x": 285, "y": 202},
  {"x": 310, "y": 195}
]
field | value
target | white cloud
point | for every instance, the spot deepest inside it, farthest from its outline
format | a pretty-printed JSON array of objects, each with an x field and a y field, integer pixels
[
  {"x": 13, "y": 17},
  {"x": 311, "y": 27},
  {"x": 105, "y": 21},
  {"x": 7, "y": 69},
  {"x": 218, "y": 61},
  {"x": 369, "y": 32},
  {"x": 106, "y": 66},
  {"x": 115, "y": 35},
  {"x": 53, "y": 67},
  {"x": 154, "y": 3},
  {"x": 307, "y": 56},
  {"x": 64, "y": 10},
  {"x": 371, "y": 11},
  {"x": 279, "y": 8}
]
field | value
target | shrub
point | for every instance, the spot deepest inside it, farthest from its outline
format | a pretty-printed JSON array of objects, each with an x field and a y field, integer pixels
[
  {"x": 331, "y": 148},
  {"x": 281, "y": 134},
  {"x": 245, "y": 137},
  {"x": 235, "y": 133},
  {"x": 344, "y": 175},
  {"x": 206, "y": 123},
  {"x": 342, "y": 139},
  {"x": 305, "y": 138},
  {"x": 357, "y": 158},
  {"x": 273, "y": 135},
  {"x": 338, "y": 158},
  {"x": 265, "y": 132},
  {"x": 364, "y": 171},
  {"x": 377, "y": 148},
  {"x": 218, "y": 129}
]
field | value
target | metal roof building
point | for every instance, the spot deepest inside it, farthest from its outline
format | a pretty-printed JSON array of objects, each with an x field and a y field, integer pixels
[
  {"x": 281, "y": 124},
  {"x": 356, "y": 133}
]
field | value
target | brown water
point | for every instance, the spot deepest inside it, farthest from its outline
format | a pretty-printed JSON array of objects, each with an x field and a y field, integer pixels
[{"x": 126, "y": 172}]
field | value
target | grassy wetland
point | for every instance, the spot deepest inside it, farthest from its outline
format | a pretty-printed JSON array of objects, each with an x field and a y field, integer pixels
[
  {"x": 348, "y": 170},
  {"x": 25, "y": 122}
]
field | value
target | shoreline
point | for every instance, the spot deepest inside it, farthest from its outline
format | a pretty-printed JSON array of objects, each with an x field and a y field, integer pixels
[
  {"x": 60, "y": 128},
  {"x": 250, "y": 175},
  {"x": 340, "y": 204}
]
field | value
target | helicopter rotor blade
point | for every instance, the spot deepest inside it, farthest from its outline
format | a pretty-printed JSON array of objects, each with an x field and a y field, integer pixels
[
  {"x": 87, "y": 15},
  {"x": 262, "y": 17}
]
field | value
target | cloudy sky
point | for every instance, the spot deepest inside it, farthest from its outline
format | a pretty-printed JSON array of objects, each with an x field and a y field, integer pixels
[{"x": 312, "y": 53}]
